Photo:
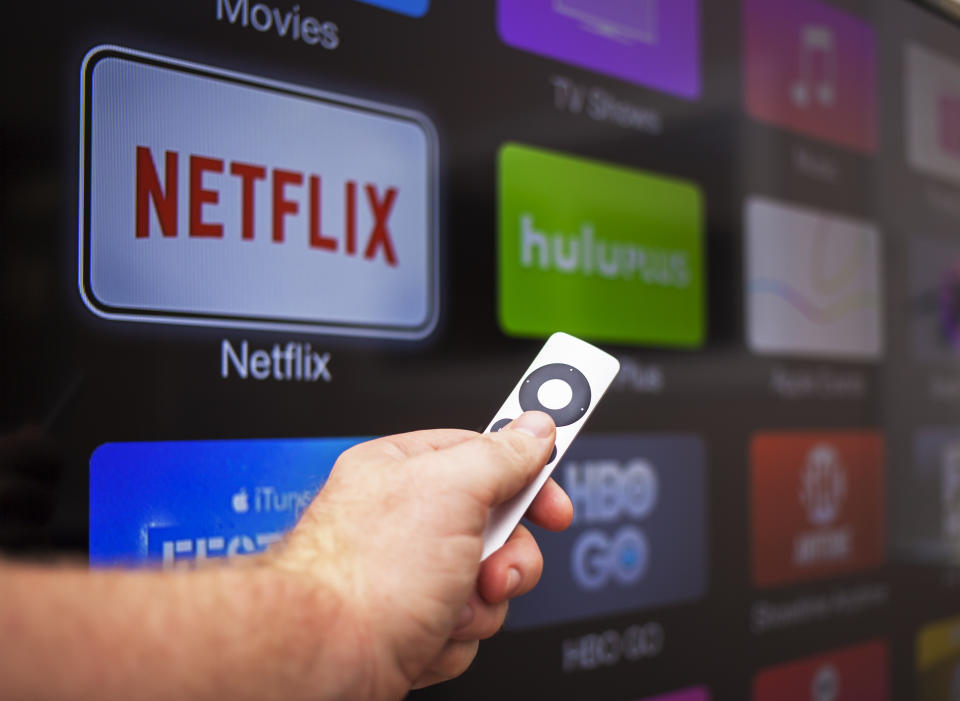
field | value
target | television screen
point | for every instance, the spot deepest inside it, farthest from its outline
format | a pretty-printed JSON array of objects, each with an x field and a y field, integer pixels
[{"x": 239, "y": 237}]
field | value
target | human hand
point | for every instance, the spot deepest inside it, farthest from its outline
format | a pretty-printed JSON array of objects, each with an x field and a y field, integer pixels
[{"x": 396, "y": 534}]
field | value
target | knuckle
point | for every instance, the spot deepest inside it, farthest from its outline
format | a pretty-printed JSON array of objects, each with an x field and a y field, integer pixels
[
  {"x": 533, "y": 576},
  {"x": 492, "y": 626},
  {"x": 467, "y": 653},
  {"x": 534, "y": 567},
  {"x": 457, "y": 658},
  {"x": 349, "y": 457}
]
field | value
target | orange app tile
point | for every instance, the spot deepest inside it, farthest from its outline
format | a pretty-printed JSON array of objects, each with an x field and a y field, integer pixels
[
  {"x": 857, "y": 673},
  {"x": 818, "y": 505}
]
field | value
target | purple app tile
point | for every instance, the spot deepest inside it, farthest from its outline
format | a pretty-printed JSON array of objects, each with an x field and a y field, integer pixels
[
  {"x": 654, "y": 43},
  {"x": 698, "y": 694},
  {"x": 810, "y": 68}
]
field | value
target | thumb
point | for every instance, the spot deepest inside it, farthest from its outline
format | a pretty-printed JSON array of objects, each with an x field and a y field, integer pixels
[{"x": 495, "y": 466}]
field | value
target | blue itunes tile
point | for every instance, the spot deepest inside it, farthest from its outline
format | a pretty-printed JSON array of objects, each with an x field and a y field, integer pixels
[
  {"x": 175, "y": 501},
  {"x": 414, "y": 8}
]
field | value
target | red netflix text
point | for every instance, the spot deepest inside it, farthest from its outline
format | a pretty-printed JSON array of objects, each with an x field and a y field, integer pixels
[{"x": 281, "y": 185}]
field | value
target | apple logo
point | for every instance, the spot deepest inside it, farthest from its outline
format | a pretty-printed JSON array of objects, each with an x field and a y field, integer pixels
[{"x": 240, "y": 502}]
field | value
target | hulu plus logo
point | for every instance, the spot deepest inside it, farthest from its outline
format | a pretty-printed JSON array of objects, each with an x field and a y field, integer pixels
[
  {"x": 585, "y": 253},
  {"x": 602, "y": 251}
]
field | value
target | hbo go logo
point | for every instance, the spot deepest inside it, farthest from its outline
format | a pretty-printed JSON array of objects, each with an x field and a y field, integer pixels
[{"x": 605, "y": 492}]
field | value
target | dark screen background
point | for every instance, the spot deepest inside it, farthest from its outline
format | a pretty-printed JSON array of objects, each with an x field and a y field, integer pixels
[{"x": 70, "y": 381}]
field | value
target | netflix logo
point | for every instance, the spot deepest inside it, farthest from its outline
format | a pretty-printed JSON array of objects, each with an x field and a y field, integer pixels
[
  {"x": 164, "y": 199},
  {"x": 218, "y": 199}
]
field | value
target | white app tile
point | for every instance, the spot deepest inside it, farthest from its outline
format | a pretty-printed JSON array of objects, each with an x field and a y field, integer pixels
[
  {"x": 222, "y": 199},
  {"x": 813, "y": 283},
  {"x": 933, "y": 112}
]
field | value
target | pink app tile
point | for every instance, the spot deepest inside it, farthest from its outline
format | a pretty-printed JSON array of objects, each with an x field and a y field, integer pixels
[
  {"x": 950, "y": 124},
  {"x": 811, "y": 68}
]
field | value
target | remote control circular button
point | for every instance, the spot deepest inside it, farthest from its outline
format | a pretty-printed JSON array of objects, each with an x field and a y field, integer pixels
[
  {"x": 553, "y": 454},
  {"x": 579, "y": 392},
  {"x": 555, "y": 394}
]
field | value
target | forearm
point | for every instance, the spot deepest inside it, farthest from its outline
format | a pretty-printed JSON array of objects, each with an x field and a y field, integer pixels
[{"x": 245, "y": 631}]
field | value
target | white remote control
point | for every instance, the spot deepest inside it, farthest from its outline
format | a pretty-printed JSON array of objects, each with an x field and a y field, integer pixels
[{"x": 566, "y": 380}]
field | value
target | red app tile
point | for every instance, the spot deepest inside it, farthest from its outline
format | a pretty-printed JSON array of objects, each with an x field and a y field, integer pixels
[
  {"x": 817, "y": 503},
  {"x": 858, "y": 673}
]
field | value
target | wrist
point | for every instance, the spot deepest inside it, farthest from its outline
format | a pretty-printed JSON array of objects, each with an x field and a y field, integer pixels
[{"x": 341, "y": 651}]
